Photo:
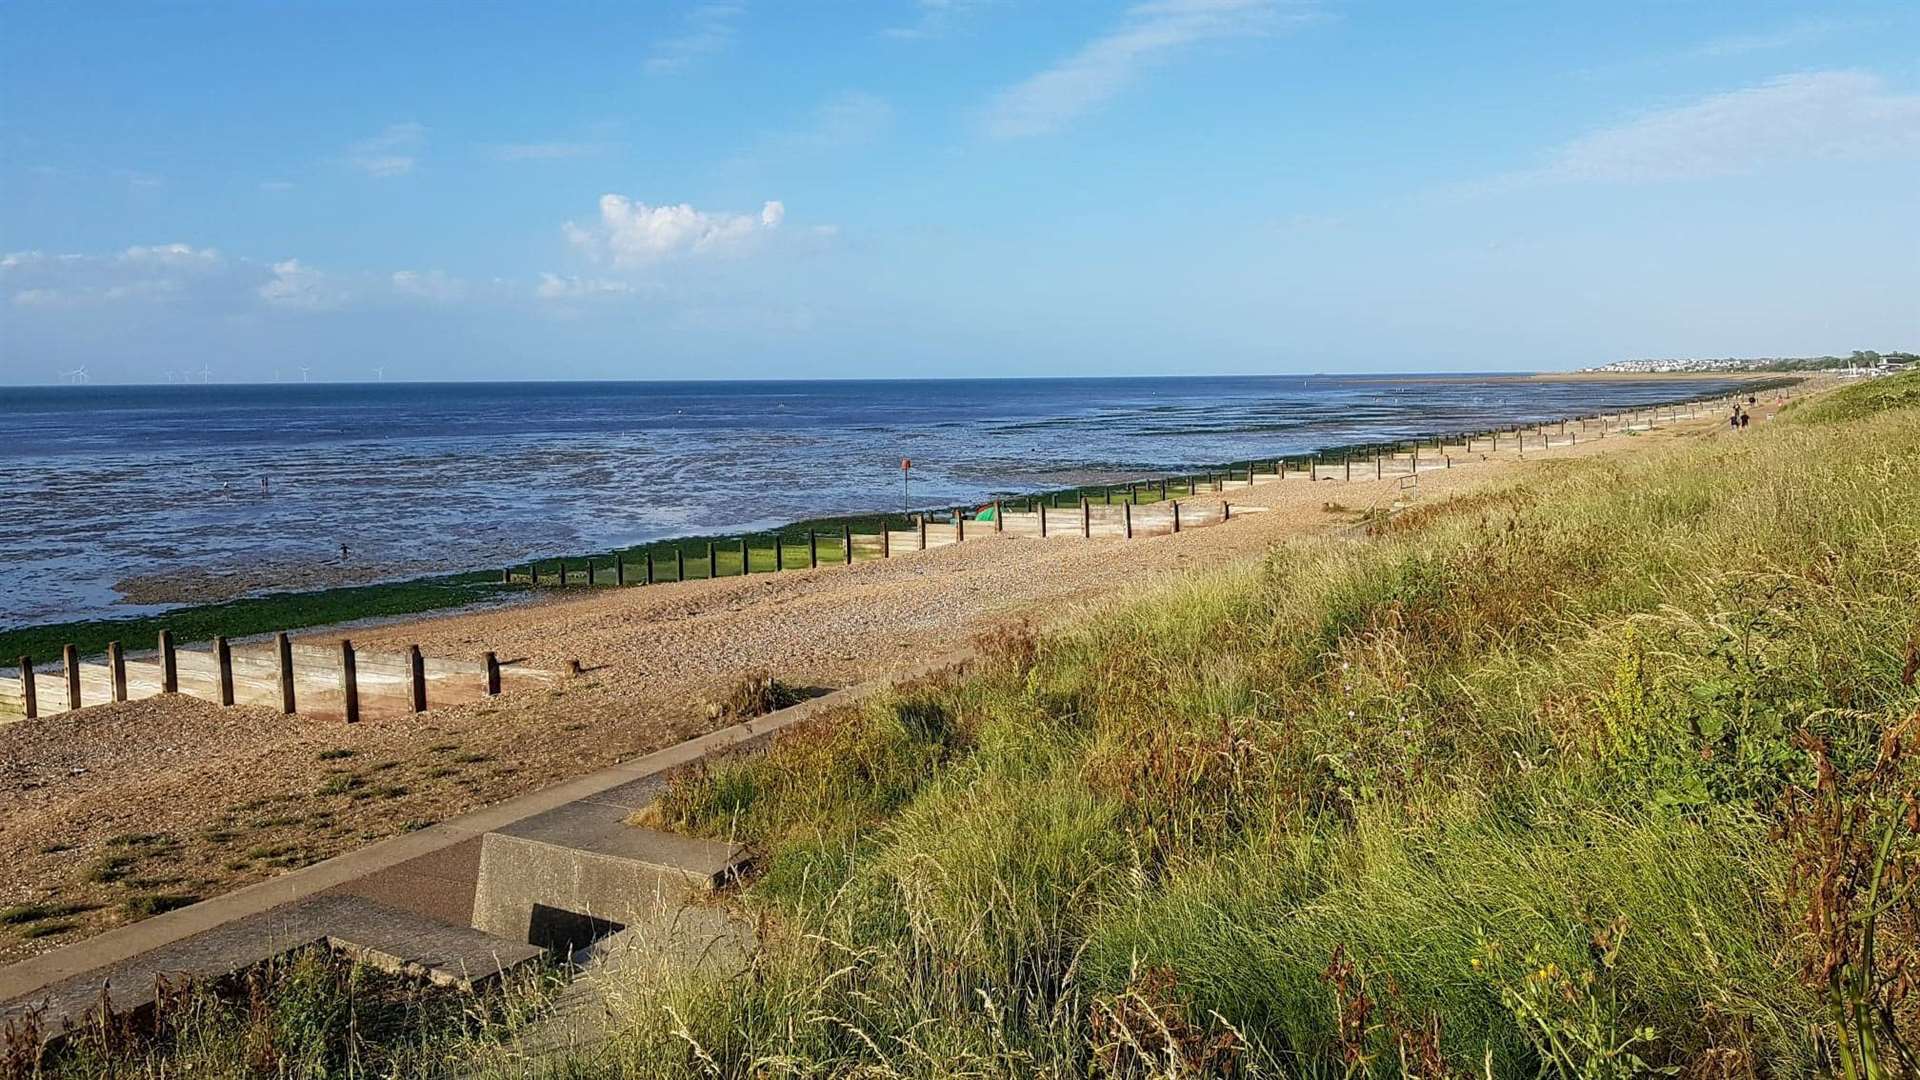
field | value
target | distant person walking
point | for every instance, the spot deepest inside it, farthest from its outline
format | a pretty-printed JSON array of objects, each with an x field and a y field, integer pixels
[{"x": 343, "y": 553}]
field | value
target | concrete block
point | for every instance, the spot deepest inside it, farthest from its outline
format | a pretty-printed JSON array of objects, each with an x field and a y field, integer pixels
[{"x": 574, "y": 874}]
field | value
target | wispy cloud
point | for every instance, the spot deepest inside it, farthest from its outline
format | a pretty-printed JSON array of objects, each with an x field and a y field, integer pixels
[
  {"x": 936, "y": 18},
  {"x": 708, "y": 28},
  {"x": 631, "y": 233},
  {"x": 545, "y": 151},
  {"x": 1798, "y": 32},
  {"x": 1111, "y": 62},
  {"x": 844, "y": 120},
  {"x": 1814, "y": 116},
  {"x": 393, "y": 152}
]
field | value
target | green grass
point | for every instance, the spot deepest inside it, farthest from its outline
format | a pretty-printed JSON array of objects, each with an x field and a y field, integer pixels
[
  {"x": 1514, "y": 771},
  {"x": 254, "y": 615},
  {"x": 308, "y": 1016}
]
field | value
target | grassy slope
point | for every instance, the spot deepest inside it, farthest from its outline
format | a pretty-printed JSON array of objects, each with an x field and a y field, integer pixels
[{"x": 1511, "y": 770}]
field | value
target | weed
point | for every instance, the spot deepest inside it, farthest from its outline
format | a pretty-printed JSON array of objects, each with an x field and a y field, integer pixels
[{"x": 147, "y": 905}]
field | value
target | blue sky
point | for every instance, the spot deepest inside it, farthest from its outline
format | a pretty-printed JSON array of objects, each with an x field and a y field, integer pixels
[{"x": 732, "y": 188}]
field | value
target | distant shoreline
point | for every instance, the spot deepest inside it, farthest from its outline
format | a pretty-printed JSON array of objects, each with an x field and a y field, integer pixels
[{"x": 265, "y": 610}]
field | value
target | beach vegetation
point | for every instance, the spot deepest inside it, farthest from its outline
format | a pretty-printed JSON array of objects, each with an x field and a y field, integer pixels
[{"x": 1607, "y": 772}]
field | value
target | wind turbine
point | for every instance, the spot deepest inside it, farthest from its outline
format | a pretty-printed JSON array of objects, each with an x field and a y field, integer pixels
[
  {"x": 380, "y": 374},
  {"x": 304, "y": 369},
  {"x": 206, "y": 373},
  {"x": 171, "y": 375},
  {"x": 76, "y": 376}
]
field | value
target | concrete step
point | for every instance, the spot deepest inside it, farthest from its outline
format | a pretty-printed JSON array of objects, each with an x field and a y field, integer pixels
[{"x": 579, "y": 872}]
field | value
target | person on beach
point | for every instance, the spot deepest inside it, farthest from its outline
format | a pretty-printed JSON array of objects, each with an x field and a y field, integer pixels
[
  {"x": 343, "y": 553},
  {"x": 1744, "y": 417}
]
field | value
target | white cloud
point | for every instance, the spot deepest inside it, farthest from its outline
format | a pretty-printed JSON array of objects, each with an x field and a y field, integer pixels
[
  {"x": 434, "y": 285},
  {"x": 546, "y": 151},
  {"x": 632, "y": 233},
  {"x": 707, "y": 29},
  {"x": 151, "y": 273},
  {"x": 1799, "y": 32},
  {"x": 1810, "y": 117},
  {"x": 42, "y": 298},
  {"x": 1108, "y": 64},
  {"x": 556, "y": 287},
  {"x": 937, "y": 18},
  {"x": 393, "y": 152},
  {"x": 180, "y": 255},
  {"x": 301, "y": 288}
]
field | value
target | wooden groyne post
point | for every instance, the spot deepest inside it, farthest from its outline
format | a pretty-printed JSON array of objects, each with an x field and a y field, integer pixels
[
  {"x": 29, "y": 697},
  {"x": 416, "y": 679},
  {"x": 117, "y": 670},
  {"x": 492, "y": 663},
  {"x": 349, "y": 682},
  {"x": 283, "y": 645},
  {"x": 223, "y": 658},
  {"x": 70, "y": 659},
  {"x": 169, "y": 665}
]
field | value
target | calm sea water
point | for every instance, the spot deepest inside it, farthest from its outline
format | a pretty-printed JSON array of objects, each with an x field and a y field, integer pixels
[{"x": 99, "y": 484}]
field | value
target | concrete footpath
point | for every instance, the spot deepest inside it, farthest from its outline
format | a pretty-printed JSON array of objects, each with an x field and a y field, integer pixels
[{"x": 409, "y": 903}]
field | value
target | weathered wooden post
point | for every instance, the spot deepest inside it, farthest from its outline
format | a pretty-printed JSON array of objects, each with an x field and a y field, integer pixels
[
  {"x": 70, "y": 659},
  {"x": 886, "y": 540},
  {"x": 1226, "y": 510},
  {"x": 1346, "y": 461},
  {"x": 29, "y": 697},
  {"x": 1283, "y": 468},
  {"x": 1086, "y": 519},
  {"x": 1043, "y": 521},
  {"x": 223, "y": 659},
  {"x": 1376, "y": 466},
  {"x": 780, "y": 553},
  {"x": 1000, "y": 514},
  {"x": 590, "y": 581},
  {"x": 1133, "y": 492},
  {"x": 284, "y": 646},
  {"x": 506, "y": 575},
  {"x": 1416, "y": 457},
  {"x": 1106, "y": 492},
  {"x": 713, "y": 561},
  {"x": 1126, "y": 512},
  {"x": 679, "y": 563},
  {"x": 169, "y": 667},
  {"x": 619, "y": 569},
  {"x": 492, "y": 663},
  {"x": 117, "y": 670},
  {"x": 562, "y": 572},
  {"x": 923, "y": 532},
  {"x": 649, "y": 566},
  {"x": 846, "y": 544},
  {"x": 533, "y": 572},
  {"x": 1176, "y": 515},
  {"x": 349, "y": 682},
  {"x": 959, "y": 524},
  {"x": 1163, "y": 487},
  {"x": 417, "y": 679}
]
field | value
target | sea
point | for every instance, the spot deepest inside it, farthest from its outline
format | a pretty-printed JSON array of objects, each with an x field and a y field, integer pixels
[{"x": 103, "y": 488}]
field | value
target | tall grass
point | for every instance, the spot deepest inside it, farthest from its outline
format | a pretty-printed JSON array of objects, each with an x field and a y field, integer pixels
[{"x": 1497, "y": 789}]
